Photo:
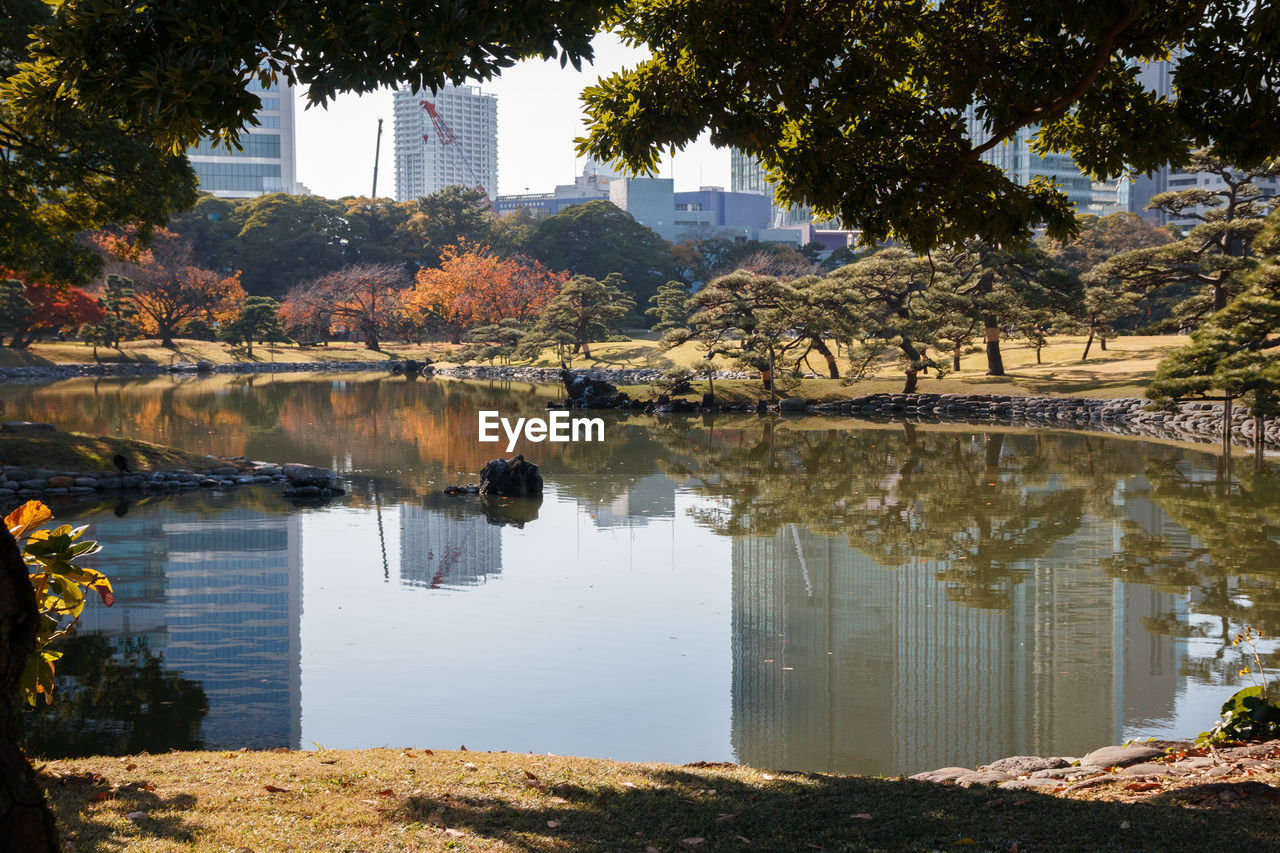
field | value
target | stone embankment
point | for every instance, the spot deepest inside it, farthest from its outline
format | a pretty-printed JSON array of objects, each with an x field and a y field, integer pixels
[
  {"x": 54, "y": 372},
  {"x": 299, "y": 480},
  {"x": 1152, "y": 762},
  {"x": 551, "y": 375}
]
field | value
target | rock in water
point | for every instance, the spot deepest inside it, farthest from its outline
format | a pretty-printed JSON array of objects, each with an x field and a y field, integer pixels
[
  {"x": 584, "y": 391},
  {"x": 511, "y": 478}
]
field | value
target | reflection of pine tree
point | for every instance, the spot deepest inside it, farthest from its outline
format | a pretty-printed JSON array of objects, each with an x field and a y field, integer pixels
[
  {"x": 110, "y": 702},
  {"x": 984, "y": 504}
]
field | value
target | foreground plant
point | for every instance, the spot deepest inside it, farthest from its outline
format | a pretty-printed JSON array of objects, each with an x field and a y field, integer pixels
[
  {"x": 1251, "y": 713},
  {"x": 60, "y": 586}
]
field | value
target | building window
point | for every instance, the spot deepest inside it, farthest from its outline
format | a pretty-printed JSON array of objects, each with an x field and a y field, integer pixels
[
  {"x": 255, "y": 145},
  {"x": 239, "y": 177}
]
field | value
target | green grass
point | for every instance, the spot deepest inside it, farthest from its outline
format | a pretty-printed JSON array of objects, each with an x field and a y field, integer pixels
[
  {"x": 73, "y": 451},
  {"x": 392, "y": 800}
]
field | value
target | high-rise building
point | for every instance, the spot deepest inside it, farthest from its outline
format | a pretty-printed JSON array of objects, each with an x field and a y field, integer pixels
[
  {"x": 426, "y": 163},
  {"x": 1016, "y": 159},
  {"x": 746, "y": 175},
  {"x": 1157, "y": 76},
  {"x": 266, "y": 163}
]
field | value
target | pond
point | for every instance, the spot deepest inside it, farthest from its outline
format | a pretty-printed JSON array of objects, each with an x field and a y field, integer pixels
[{"x": 810, "y": 593}]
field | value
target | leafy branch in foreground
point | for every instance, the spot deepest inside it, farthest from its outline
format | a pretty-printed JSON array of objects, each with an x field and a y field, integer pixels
[
  {"x": 60, "y": 586},
  {"x": 1250, "y": 713}
]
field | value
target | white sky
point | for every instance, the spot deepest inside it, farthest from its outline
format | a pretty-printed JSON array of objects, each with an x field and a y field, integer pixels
[{"x": 539, "y": 115}]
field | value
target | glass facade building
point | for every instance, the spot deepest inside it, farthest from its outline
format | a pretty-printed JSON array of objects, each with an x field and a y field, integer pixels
[{"x": 266, "y": 160}]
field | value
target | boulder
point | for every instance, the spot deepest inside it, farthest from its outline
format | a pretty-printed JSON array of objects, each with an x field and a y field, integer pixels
[
  {"x": 583, "y": 390},
  {"x": 986, "y": 777},
  {"x": 511, "y": 478},
  {"x": 792, "y": 404},
  {"x": 305, "y": 475},
  {"x": 1025, "y": 765},
  {"x": 1120, "y": 756}
]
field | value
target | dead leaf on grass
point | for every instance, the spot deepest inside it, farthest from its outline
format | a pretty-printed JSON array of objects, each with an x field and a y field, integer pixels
[
  {"x": 100, "y": 796},
  {"x": 280, "y": 750},
  {"x": 690, "y": 843},
  {"x": 553, "y": 824},
  {"x": 470, "y": 766},
  {"x": 385, "y": 792},
  {"x": 1143, "y": 786},
  {"x": 558, "y": 801},
  {"x": 275, "y": 790},
  {"x": 863, "y": 816},
  {"x": 131, "y": 767},
  {"x": 454, "y": 833},
  {"x": 725, "y": 818}
]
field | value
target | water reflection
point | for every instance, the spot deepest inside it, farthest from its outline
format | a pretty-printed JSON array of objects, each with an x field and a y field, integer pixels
[{"x": 801, "y": 594}]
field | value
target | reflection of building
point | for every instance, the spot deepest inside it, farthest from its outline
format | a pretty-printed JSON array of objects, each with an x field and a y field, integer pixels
[
  {"x": 841, "y": 664},
  {"x": 652, "y": 496},
  {"x": 438, "y": 549},
  {"x": 225, "y": 611}
]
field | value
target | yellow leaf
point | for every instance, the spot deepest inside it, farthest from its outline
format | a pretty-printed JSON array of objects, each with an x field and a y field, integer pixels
[{"x": 26, "y": 517}]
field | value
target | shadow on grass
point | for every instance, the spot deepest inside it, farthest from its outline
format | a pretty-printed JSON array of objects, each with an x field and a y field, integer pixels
[
  {"x": 81, "y": 812},
  {"x": 673, "y": 809},
  {"x": 10, "y": 357}
]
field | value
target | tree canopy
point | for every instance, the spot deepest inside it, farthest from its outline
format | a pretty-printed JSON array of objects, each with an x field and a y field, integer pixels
[{"x": 863, "y": 110}]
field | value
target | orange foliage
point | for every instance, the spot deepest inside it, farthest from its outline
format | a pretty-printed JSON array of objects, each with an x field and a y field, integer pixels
[
  {"x": 169, "y": 288},
  {"x": 473, "y": 287}
]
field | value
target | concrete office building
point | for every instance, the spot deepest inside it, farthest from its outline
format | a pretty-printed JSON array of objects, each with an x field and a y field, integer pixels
[
  {"x": 1158, "y": 77},
  {"x": 267, "y": 161},
  {"x": 1016, "y": 159},
  {"x": 423, "y": 164},
  {"x": 746, "y": 175}
]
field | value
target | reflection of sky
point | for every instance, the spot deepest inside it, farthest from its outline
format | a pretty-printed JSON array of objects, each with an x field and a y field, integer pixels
[{"x": 598, "y": 642}]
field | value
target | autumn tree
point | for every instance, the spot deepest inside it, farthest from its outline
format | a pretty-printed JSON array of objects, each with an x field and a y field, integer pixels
[
  {"x": 363, "y": 298},
  {"x": 169, "y": 289},
  {"x": 472, "y": 286},
  {"x": 55, "y": 309},
  {"x": 583, "y": 311}
]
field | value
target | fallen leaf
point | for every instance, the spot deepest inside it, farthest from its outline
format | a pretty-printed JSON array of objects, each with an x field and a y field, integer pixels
[
  {"x": 100, "y": 796},
  {"x": 863, "y": 816},
  {"x": 329, "y": 761},
  {"x": 427, "y": 752},
  {"x": 470, "y": 766},
  {"x": 274, "y": 790},
  {"x": 131, "y": 767},
  {"x": 1019, "y": 802},
  {"x": 725, "y": 818},
  {"x": 529, "y": 775},
  {"x": 553, "y": 824},
  {"x": 558, "y": 801},
  {"x": 1143, "y": 786},
  {"x": 690, "y": 843},
  {"x": 563, "y": 788},
  {"x": 147, "y": 786},
  {"x": 628, "y": 784},
  {"x": 454, "y": 833},
  {"x": 281, "y": 749},
  {"x": 136, "y": 816},
  {"x": 385, "y": 792}
]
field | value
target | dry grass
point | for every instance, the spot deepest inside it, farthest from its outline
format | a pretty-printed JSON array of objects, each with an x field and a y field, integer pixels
[
  {"x": 413, "y": 800},
  {"x": 151, "y": 352},
  {"x": 73, "y": 451}
]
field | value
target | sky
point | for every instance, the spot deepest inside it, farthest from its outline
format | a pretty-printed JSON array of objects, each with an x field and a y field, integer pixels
[{"x": 539, "y": 115}]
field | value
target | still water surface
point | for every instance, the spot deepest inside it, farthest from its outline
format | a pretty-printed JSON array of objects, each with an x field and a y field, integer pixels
[{"x": 813, "y": 594}]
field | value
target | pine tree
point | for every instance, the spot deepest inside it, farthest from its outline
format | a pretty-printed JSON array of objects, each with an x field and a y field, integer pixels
[
  {"x": 259, "y": 320},
  {"x": 583, "y": 311},
  {"x": 670, "y": 306},
  {"x": 15, "y": 308},
  {"x": 121, "y": 322}
]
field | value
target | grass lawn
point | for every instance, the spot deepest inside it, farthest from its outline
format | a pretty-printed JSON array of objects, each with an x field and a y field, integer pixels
[
  {"x": 150, "y": 352},
  {"x": 410, "y": 800},
  {"x": 73, "y": 451}
]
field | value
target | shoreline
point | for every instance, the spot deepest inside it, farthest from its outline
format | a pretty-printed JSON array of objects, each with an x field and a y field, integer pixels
[{"x": 1196, "y": 421}]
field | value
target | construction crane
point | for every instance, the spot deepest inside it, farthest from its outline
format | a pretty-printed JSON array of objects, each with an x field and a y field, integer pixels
[{"x": 445, "y": 136}]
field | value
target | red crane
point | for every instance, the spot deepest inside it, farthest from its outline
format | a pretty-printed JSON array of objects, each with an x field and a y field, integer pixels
[{"x": 446, "y": 137}]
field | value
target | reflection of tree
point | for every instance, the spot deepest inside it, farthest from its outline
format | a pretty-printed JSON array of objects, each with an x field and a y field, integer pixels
[
  {"x": 984, "y": 505},
  {"x": 1231, "y": 560},
  {"x": 115, "y": 704}
]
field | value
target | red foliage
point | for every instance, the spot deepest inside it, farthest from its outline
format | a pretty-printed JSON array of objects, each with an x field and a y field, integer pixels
[{"x": 54, "y": 308}]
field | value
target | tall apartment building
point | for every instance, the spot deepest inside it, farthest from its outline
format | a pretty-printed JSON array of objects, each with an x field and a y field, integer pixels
[
  {"x": 267, "y": 162},
  {"x": 423, "y": 164}
]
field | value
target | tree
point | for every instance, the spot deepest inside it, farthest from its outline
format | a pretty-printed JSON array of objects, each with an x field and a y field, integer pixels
[
  {"x": 64, "y": 170},
  {"x": 15, "y": 308},
  {"x": 474, "y": 287},
  {"x": 120, "y": 313},
  {"x": 1206, "y": 267},
  {"x": 598, "y": 238},
  {"x": 284, "y": 239},
  {"x": 54, "y": 309},
  {"x": 259, "y": 320},
  {"x": 454, "y": 215},
  {"x": 890, "y": 306},
  {"x": 168, "y": 289},
  {"x": 362, "y": 297},
  {"x": 866, "y": 115},
  {"x": 493, "y": 342},
  {"x": 372, "y": 224},
  {"x": 583, "y": 311},
  {"x": 670, "y": 306}
]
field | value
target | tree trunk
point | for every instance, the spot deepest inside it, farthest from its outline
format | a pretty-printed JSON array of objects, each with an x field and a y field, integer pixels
[
  {"x": 1226, "y": 431},
  {"x": 26, "y": 822},
  {"x": 371, "y": 339},
  {"x": 1259, "y": 436},
  {"x": 995, "y": 361},
  {"x": 1102, "y": 342},
  {"x": 1038, "y": 361},
  {"x": 913, "y": 366},
  {"x": 586, "y": 349},
  {"x": 1088, "y": 343},
  {"x": 913, "y": 377},
  {"x": 833, "y": 369},
  {"x": 955, "y": 360}
]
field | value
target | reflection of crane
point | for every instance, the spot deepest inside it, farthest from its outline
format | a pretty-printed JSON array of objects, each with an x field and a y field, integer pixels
[{"x": 446, "y": 137}]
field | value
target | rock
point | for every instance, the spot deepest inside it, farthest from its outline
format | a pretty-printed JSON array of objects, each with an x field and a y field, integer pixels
[
  {"x": 1147, "y": 769},
  {"x": 91, "y": 482},
  {"x": 983, "y": 777},
  {"x": 1120, "y": 756},
  {"x": 514, "y": 478},
  {"x": 34, "y": 483},
  {"x": 226, "y": 471},
  {"x": 1065, "y": 772},
  {"x": 792, "y": 404},
  {"x": 305, "y": 475},
  {"x": 943, "y": 776},
  {"x": 25, "y": 426},
  {"x": 1024, "y": 765},
  {"x": 583, "y": 389}
]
